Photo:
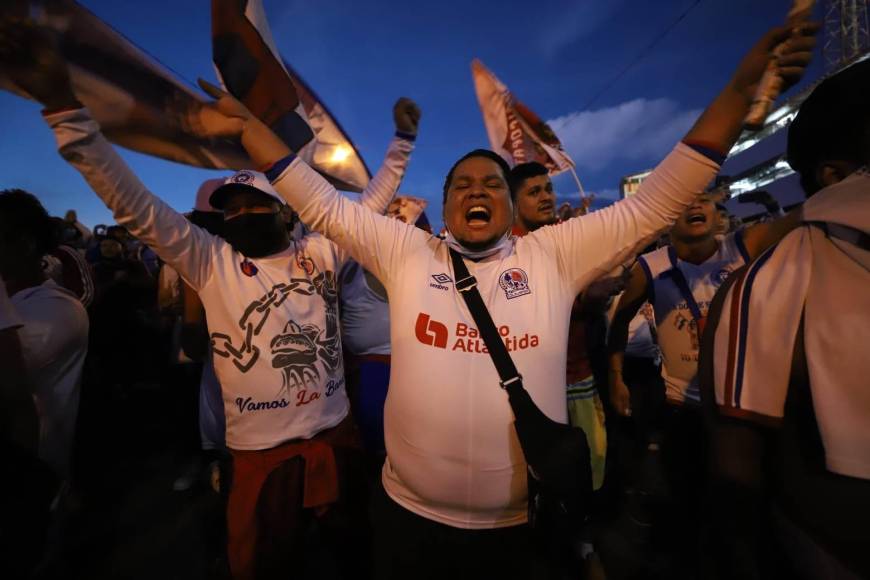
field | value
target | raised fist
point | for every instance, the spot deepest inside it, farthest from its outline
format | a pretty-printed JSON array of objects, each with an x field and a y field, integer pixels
[{"x": 406, "y": 115}]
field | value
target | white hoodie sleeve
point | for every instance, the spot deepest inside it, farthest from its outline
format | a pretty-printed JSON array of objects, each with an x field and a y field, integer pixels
[
  {"x": 590, "y": 246},
  {"x": 187, "y": 248}
]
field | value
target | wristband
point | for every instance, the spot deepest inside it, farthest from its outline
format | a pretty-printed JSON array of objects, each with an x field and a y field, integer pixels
[{"x": 277, "y": 168}]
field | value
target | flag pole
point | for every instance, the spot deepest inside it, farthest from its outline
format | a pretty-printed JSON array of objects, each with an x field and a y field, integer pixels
[{"x": 579, "y": 185}]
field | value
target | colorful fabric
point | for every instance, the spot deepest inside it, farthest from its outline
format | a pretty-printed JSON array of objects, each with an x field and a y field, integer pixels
[
  {"x": 251, "y": 69},
  {"x": 820, "y": 273},
  {"x": 586, "y": 411},
  {"x": 681, "y": 308},
  {"x": 515, "y": 132}
]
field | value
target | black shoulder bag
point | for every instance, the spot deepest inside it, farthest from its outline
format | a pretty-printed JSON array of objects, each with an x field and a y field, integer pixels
[{"x": 560, "y": 474}]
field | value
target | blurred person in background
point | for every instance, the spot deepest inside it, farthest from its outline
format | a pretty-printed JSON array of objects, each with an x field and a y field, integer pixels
[{"x": 44, "y": 341}]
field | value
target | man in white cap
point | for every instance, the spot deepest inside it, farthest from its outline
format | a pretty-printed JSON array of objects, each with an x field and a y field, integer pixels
[{"x": 272, "y": 307}]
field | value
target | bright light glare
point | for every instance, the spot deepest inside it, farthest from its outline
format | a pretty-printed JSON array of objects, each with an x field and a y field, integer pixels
[{"x": 340, "y": 154}]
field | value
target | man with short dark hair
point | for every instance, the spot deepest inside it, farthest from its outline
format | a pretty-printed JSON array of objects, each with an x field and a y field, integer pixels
[{"x": 534, "y": 195}]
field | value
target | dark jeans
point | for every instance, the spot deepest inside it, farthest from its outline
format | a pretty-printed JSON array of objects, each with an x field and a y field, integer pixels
[
  {"x": 409, "y": 546},
  {"x": 684, "y": 462}
]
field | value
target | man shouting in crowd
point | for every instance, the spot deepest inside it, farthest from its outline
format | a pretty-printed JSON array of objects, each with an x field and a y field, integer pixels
[
  {"x": 679, "y": 281},
  {"x": 272, "y": 309},
  {"x": 455, "y": 476}
]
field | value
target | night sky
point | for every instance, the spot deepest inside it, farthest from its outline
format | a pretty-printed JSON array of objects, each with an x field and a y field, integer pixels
[{"x": 360, "y": 56}]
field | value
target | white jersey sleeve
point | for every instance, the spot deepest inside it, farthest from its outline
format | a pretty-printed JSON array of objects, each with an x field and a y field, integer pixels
[
  {"x": 383, "y": 186},
  {"x": 375, "y": 241},
  {"x": 187, "y": 248},
  {"x": 622, "y": 229}
]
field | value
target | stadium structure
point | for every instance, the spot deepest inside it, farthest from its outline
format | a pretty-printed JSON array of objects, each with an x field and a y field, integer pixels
[{"x": 757, "y": 160}]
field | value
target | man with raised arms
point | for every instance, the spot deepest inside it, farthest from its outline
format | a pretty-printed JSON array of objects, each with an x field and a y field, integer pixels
[
  {"x": 455, "y": 476},
  {"x": 272, "y": 308}
]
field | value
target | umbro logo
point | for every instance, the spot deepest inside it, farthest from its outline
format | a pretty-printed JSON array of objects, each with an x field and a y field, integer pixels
[{"x": 440, "y": 281}]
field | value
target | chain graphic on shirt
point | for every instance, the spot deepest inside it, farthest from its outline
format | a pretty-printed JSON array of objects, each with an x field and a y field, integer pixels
[{"x": 299, "y": 347}]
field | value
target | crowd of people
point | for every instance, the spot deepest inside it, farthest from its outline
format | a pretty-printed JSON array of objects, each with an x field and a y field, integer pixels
[{"x": 329, "y": 379}]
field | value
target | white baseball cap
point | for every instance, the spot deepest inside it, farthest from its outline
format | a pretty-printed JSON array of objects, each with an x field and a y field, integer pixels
[{"x": 244, "y": 179}]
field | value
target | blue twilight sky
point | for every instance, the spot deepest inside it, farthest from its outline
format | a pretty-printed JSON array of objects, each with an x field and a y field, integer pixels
[{"x": 360, "y": 56}]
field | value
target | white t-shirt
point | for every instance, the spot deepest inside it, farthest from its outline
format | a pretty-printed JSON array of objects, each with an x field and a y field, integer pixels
[
  {"x": 677, "y": 329},
  {"x": 273, "y": 320},
  {"x": 54, "y": 343},
  {"x": 453, "y": 455}
]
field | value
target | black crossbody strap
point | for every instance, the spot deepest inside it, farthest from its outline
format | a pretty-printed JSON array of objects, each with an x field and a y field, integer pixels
[{"x": 466, "y": 284}]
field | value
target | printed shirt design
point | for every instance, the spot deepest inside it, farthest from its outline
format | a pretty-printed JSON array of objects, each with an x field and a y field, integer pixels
[{"x": 278, "y": 352}]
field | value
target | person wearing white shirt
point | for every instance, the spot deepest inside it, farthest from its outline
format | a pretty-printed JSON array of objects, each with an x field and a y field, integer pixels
[
  {"x": 44, "y": 341},
  {"x": 455, "y": 474},
  {"x": 272, "y": 309}
]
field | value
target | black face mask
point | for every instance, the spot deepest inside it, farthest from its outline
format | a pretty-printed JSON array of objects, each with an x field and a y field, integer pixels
[{"x": 256, "y": 235}]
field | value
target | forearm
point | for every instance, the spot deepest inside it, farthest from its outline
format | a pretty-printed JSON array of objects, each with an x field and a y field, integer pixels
[
  {"x": 615, "y": 362},
  {"x": 147, "y": 217},
  {"x": 17, "y": 412},
  {"x": 721, "y": 123},
  {"x": 384, "y": 185}
]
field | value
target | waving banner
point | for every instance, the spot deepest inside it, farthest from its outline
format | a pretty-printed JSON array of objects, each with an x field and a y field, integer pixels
[
  {"x": 251, "y": 69},
  {"x": 139, "y": 103},
  {"x": 515, "y": 132}
]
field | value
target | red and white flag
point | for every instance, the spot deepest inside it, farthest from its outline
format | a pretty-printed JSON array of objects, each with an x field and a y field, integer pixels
[
  {"x": 515, "y": 132},
  {"x": 251, "y": 69}
]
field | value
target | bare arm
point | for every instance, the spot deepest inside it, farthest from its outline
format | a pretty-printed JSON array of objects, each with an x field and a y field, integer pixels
[
  {"x": 720, "y": 124},
  {"x": 629, "y": 303},
  {"x": 759, "y": 237},
  {"x": 620, "y": 230}
]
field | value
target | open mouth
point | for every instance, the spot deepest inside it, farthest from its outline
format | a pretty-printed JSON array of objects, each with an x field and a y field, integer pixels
[
  {"x": 478, "y": 216},
  {"x": 546, "y": 206},
  {"x": 697, "y": 219}
]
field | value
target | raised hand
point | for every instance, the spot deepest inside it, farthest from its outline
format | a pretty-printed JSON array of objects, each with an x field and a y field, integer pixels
[
  {"x": 30, "y": 57},
  {"x": 792, "y": 49},
  {"x": 406, "y": 115},
  {"x": 620, "y": 396},
  {"x": 226, "y": 117}
]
